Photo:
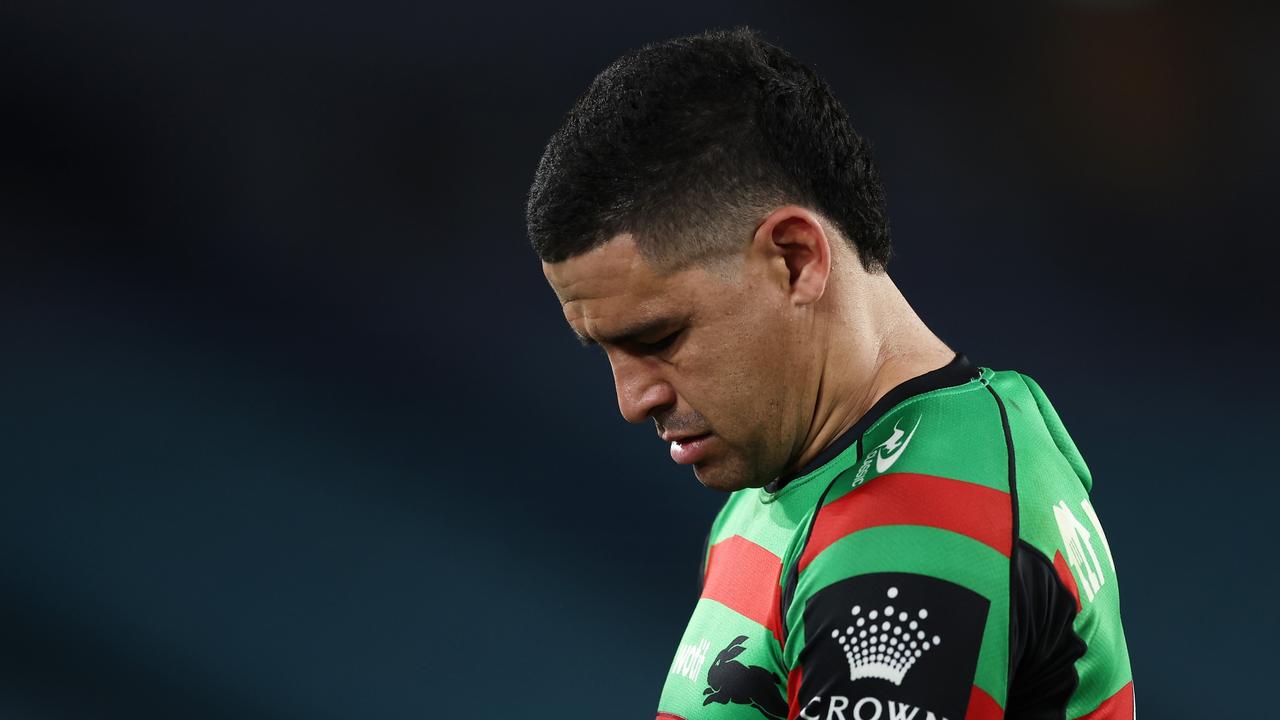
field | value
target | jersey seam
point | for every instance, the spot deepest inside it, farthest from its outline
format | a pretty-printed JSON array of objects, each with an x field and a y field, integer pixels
[{"x": 1013, "y": 511}]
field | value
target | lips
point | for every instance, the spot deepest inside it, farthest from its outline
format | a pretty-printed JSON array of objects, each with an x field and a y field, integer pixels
[
  {"x": 689, "y": 449},
  {"x": 686, "y": 437}
]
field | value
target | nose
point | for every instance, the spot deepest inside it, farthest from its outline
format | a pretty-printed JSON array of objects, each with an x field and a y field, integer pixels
[{"x": 641, "y": 389}]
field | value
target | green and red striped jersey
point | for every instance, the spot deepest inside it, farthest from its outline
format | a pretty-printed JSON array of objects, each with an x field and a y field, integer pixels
[{"x": 941, "y": 560}]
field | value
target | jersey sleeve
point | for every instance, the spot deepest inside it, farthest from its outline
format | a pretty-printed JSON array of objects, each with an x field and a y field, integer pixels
[
  {"x": 896, "y": 602},
  {"x": 1070, "y": 658}
]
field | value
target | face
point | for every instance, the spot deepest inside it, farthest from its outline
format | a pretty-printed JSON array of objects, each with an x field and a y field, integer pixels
[{"x": 719, "y": 357}]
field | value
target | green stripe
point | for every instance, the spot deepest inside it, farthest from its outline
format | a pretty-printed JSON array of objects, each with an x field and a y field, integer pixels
[
  {"x": 954, "y": 434},
  {"x": 771, "y": 525}
]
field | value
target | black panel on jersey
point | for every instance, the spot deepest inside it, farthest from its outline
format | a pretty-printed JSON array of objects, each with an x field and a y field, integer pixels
[
  {"x": 1043, "y": 644},
  {"x": 949, "y": 620}
]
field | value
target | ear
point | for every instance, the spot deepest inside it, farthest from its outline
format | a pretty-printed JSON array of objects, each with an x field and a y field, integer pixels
[
  {"x": 793, "y": 244},
  {"x": 731, "y": 653}
]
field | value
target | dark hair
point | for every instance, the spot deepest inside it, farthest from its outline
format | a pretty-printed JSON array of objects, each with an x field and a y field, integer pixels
[{"x": 683, "y": 142}]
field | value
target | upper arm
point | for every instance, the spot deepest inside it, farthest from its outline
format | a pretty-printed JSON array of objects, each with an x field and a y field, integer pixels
[{"x": 899, "y": 600}]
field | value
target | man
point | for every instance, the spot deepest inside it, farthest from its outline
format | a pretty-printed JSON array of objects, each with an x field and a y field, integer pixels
[{"x": 908, "y": 536}]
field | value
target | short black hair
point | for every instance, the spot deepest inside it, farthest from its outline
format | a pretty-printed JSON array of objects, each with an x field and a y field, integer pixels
[{"x": 682, "y": 142}]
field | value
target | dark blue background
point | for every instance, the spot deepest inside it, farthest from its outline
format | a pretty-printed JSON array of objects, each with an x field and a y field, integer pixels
[{"x": 292, "y": 427}]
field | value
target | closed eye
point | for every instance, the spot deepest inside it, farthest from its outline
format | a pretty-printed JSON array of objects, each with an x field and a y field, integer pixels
[{"x": 661, "y": 344}]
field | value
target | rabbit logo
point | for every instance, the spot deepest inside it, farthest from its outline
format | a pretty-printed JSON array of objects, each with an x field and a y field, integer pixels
[{"x": 730, "y": 681}]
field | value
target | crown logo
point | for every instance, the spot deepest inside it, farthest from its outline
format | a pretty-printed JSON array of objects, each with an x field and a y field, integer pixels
[{"x": 882, "y": 644}]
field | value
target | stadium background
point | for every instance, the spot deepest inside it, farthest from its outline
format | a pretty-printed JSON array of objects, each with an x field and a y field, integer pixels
[{"x": 292, "y": 427}]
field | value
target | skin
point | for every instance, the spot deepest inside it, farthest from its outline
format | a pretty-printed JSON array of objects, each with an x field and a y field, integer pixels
[{"x": 775, "y": 350}]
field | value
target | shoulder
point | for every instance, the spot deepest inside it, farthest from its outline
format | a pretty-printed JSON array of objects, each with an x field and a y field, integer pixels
[
  {"x": 915, "y": 537},
  {"x": 934, "y": 471},
  {"x": 930, "y": 496},
  {"x": 955, "y": 433},
  {"x": 1050, "y": 477}
]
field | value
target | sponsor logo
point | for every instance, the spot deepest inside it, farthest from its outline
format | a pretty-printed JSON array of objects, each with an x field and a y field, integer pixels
[
  {"x": 689, "y": 659},
  {"x": 891, "y": 646},
  {"x": 1078, "y": 542},
  {"x": 890, "y": 450},
  {"x": 841, "y": 707},
  {"x": 729, "y": 681},
  {"x": 885, "y": 642},
  {"x": 886, "y": 453}
]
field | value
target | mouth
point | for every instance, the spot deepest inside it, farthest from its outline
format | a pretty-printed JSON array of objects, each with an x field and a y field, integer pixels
[
  {"x": 690, "y": 439},
  {"x": 689, "y": 449},
  {"x": 672, "y": 437}
]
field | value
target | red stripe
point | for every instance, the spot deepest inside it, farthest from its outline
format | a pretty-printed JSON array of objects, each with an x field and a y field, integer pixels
[
  {"x": 1116, "y": 707},
  {"x": 793, "y": 693},
  {"x": 979, "y": 512},
  {"x": 667, "y": 716},
  {"x": 743, "y": 576},
  {"x": 1064, "y": 574},
  {"x": 982, "y": 706}
]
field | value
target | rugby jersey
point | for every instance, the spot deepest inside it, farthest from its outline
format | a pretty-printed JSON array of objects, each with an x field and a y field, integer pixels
[{"x": 940, "y": 560}]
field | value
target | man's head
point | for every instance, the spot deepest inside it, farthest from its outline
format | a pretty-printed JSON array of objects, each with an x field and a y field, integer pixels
[{"x": 689, "y": 214}]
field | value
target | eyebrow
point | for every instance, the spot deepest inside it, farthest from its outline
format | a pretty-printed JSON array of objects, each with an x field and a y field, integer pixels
[{"x": 626, "y": 335}]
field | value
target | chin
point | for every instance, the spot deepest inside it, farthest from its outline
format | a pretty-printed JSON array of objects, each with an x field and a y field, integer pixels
[{"x": 716, "y": 476}]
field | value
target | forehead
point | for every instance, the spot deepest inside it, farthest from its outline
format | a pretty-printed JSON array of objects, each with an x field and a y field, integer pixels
[{"x": 614, "y": 283}]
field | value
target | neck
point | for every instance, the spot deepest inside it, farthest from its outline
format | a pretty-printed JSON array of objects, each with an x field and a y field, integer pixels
[{"x": 875, "y": 342}]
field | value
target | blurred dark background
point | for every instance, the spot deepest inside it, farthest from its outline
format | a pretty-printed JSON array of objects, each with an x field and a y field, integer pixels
[{"x": 292, "y": 427}]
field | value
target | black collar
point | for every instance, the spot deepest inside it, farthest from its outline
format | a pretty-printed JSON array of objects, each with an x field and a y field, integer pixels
[{"x": 956, "y": 372}]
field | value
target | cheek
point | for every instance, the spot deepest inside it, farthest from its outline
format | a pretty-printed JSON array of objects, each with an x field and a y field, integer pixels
[
  {"x": 746, "y": 400},
  {"x": 772, "y": 387},
  {"x": 742, "y": 374}
]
